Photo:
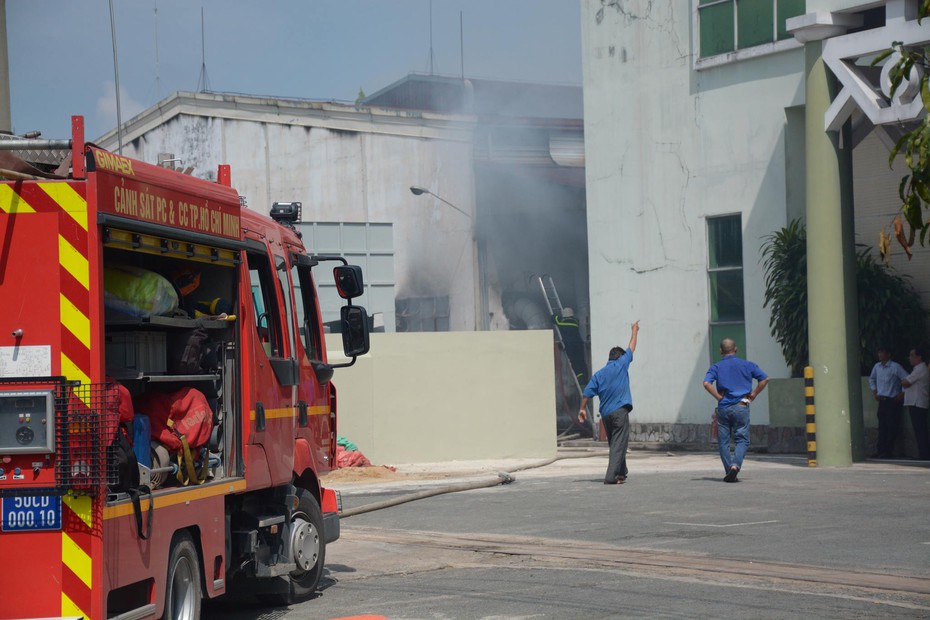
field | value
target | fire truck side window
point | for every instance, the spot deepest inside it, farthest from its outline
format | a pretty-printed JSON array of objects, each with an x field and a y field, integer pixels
[
  {"x": 305, "y": 305},
  {"x": 286, "y": 293},
  {"x": 267, "y": 321}
]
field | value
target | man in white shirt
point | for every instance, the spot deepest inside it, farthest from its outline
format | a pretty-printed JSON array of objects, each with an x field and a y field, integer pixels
[{"x": 917, "y": 399}]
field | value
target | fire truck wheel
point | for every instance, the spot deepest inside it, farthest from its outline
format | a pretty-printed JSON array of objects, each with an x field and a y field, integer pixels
[
  {"x": 309, "y": 548},
  {"x": 182, "y": 590}
]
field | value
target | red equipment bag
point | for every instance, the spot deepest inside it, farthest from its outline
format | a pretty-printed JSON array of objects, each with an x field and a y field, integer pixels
[
  {"x": 182, "y": 421},
  {"x": 126, "y": 412},
  {"x": 118, "y": 394},
  {"x": 185, "y": 413},
  {"x": 124, "y": 457}
]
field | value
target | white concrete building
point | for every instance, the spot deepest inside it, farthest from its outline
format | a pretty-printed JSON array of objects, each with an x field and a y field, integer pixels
[
  {"x": 696, "y": 145},
  {"x": 502, "y": 164}
]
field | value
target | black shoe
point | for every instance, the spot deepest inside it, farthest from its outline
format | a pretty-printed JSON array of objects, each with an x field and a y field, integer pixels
[{"x": 731, "y": 475}]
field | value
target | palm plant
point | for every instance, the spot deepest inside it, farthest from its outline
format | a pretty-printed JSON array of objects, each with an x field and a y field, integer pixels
[
  {"x": 785, "y": 262},
  {"x": 890, "y": 313},
  {"x": 889, "y": 308}
]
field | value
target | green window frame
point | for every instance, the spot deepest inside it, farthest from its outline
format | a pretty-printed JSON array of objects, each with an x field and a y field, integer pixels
[
  {"x": 731, "y": 25},
  {"x": 725, "y": 282}
]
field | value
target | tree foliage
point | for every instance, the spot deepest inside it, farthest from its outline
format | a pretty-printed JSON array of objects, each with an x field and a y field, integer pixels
[
  {"x": 889, "y": 308},
  {"x": 914, "y": 189}
]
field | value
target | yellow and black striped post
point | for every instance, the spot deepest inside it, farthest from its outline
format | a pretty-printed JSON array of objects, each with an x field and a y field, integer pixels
[{"x": 809, "y": 410}]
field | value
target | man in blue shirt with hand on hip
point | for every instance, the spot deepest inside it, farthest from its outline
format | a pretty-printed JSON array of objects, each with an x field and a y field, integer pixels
[
  {"x": 885, "y": 383},
  {"x": 733, "y": 378},
  {"x": 611, "y": 384}
]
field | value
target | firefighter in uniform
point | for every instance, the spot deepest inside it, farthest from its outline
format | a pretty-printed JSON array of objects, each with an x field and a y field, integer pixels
[{"x": 567, "y": 325}]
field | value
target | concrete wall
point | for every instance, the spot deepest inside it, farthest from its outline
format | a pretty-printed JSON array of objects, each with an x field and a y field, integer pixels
[
  {"x": 667, "y": 147},
  {"x": 431, "y": 397}
]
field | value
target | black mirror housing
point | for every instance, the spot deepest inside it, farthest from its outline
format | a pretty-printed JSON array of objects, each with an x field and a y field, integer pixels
[
  {"x": 349, "y": 282},
  {"x": 323, "y": 372},
  {"x": 355, "y": 338}
]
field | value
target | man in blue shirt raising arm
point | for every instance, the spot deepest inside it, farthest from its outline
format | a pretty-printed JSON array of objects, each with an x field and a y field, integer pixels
[
  {"x": 733, "y": 377},
  {"x": 611, "y": 384}
]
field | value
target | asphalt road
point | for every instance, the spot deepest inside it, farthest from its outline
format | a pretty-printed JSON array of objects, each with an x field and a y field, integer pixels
[{"x": 787, "y": 541}]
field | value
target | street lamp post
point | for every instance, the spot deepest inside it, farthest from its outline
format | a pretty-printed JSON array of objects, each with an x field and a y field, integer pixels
[
  {"x": 419, "y": 191},
  {"x": 477, "y": 263}
]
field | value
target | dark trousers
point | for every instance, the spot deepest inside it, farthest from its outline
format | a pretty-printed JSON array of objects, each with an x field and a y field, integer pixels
[
  {"x": 919, "y": 422},
  {"x": 617, "y": 428},
  {"x": 889, "y": 421}
]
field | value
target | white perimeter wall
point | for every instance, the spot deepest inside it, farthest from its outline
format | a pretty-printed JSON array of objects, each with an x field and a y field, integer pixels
[
  {"x": 349, "y": 176},
  {"x": 433, "y": 397},
  {"x": 667, "y": 147}
]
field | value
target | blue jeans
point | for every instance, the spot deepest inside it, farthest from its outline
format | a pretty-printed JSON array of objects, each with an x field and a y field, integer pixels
[{"x": 733, "y": 420}]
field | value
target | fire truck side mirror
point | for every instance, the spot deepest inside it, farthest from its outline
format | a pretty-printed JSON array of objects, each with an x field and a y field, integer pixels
[
  {"x": 349, "y": 281},
  {"x": 323, "y": 372},
  {"x": 355, "y": 340}
]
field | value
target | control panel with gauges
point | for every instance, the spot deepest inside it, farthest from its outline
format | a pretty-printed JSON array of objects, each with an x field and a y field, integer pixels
[{"x": 27, "y": 422}]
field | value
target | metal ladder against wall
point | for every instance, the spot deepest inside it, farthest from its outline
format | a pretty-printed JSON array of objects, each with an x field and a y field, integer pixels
[
  {"x": 552, "y": 296},
  {"x": 554, "y": 304},
  {"x": 555, "y": 308}
]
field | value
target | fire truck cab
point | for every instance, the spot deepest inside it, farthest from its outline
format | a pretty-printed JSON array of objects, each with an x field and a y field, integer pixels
[{"x": 131, "y": 291}]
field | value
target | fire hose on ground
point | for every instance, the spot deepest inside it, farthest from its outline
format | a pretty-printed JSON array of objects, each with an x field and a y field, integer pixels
[{"x": 499, "y": 478}]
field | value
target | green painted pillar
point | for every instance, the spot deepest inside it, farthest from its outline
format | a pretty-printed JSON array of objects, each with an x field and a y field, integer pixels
[{"x": 833, "y": 320}]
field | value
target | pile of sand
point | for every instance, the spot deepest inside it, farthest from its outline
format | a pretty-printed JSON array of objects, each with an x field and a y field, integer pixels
[{"x": 375, "y": 473}]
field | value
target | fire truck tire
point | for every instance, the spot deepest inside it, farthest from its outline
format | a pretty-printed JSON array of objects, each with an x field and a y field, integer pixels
[
  {"x": 309, "y": 547},
  {"x": 182, "y": 589}
]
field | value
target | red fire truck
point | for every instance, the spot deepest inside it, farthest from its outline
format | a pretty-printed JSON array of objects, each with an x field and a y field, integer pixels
[{"x": 88, "y": 326}]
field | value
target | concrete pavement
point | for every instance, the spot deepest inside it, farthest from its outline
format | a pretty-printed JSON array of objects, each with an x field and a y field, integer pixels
[
  {"x": 788, "y": 541},
  {"x": 834, "y": 542},
  {"x": 574, "y": 462}
]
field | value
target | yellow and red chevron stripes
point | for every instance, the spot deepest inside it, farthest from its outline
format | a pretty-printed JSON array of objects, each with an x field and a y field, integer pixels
[
  {"x": 67, "y": 198},
  {"x": 81, "y": 519},
  {"x": 74, "y": 279},
  {"x": 77, "y": 513}
]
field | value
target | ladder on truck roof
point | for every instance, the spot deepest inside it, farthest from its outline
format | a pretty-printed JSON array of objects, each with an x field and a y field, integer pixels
[
  {"x": 554, "y": 304},
  {"x": 37, "y": 158}
]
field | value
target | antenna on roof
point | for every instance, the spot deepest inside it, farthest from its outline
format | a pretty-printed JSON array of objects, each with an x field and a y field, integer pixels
[
  {"x": 432, "y": 58},
  {"x": 6, "y": 121},
  {"x": 203, "y": 82},
  {"x": 119, "y": 115},
  {"x": 157, "y": 69}
]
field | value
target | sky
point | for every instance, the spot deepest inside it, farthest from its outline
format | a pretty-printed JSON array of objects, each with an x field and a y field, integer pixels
[{"x": 61, "y": 52}]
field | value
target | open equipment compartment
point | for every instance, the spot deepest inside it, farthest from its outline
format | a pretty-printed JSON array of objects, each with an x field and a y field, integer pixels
[{"x": 143, "y": 350}]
